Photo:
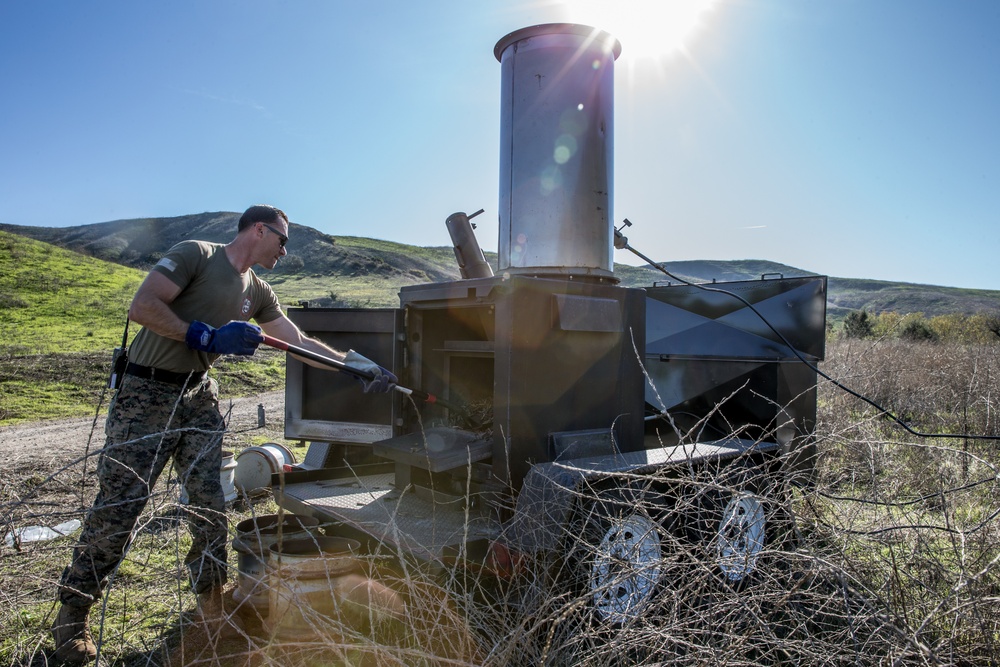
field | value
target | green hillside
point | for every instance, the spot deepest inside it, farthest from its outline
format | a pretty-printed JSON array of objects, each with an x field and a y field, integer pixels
[
  {"x": 56, "y": 300},
  {"x": 63, "y": 314},
  {"x": 328, "y": 270},
  {"x": 878, "y": 296}
]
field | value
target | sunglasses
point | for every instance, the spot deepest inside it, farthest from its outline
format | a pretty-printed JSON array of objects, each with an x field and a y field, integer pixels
[{"x": 282, "y": 239}]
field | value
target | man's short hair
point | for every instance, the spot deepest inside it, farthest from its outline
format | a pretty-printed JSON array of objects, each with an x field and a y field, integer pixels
[{"x": 269, "y": 215}]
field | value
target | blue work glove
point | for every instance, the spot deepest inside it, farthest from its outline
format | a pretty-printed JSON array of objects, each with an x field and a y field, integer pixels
[
  {"x": 237, "y": 337},
  {"x": 383, "y": 379}
]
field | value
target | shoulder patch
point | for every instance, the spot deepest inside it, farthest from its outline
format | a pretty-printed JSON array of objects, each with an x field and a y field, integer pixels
[{"x": 167, "y": 263}]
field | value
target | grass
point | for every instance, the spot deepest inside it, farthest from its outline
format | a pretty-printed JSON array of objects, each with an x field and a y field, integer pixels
[
  {"x": 63, "y": 315},
  {"x": 915, "y": 519},
  {"x": 358, "y": 291},
  {"x": 150, "y": 594},
  {"x": 56, "y": 301},
  {"x": 896, "y": 563},
  {"x": 62, "y": 385}
]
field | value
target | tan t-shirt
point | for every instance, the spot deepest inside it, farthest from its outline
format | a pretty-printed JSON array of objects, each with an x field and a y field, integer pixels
[{"x": 213, "y": 292}]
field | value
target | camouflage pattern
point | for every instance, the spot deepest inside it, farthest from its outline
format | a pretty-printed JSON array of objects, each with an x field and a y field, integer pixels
[{"x": 148, "y": 424}]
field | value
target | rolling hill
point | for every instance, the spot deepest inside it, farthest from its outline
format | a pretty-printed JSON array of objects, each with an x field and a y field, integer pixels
[
  {"x": 347, "y": 270},
  {"x": 64, "y": 293}
]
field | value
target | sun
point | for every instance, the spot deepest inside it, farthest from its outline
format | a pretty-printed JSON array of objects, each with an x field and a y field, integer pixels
[{"x": 646, "y": 28}]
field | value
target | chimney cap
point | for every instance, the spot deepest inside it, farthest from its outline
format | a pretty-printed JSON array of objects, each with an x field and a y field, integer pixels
[{"x": 558, "y": 29}]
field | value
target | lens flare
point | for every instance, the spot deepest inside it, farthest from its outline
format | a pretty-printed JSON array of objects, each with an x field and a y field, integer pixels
[{"x": 646, "y": 28}]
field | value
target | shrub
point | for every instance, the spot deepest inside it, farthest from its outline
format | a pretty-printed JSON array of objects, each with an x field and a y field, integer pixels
[
  {"x": 858, "y": 324},
  {"x": 918, "y": 331}
]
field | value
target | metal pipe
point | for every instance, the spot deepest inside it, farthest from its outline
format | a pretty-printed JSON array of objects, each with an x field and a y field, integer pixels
[{"x": 471, "y": 260}]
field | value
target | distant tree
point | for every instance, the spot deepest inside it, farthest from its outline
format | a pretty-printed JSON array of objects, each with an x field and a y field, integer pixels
[
  {"x": 918, "y": 331},
  {"x": 858, "y": 324},
  {"x": 993, "y": 324},
  {"x": 954, "y": 328},
  {"x": 886, "y": 324}
]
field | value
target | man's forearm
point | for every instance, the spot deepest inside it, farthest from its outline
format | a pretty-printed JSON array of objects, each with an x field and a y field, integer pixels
[
  {"x": 157, "y": 316},
  {"x": 317, "y": 346}
]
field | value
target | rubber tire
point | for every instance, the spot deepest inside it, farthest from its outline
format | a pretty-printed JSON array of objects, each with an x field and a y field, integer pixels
[
  {"x": 610, "y": 573},
  {"x": 733, "y": 519}
]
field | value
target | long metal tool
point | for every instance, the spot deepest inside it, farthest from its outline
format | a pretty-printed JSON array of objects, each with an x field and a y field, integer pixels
[{"x": 336, "y": 364}]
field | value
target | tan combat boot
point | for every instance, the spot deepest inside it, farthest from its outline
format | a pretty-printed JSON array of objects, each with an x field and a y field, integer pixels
[
  {"x": 74, "y": 645},
  {"x": 218, "y": 621}
]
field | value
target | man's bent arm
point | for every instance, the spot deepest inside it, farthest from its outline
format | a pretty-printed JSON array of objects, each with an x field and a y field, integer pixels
[{"x": 151, "y": 307}]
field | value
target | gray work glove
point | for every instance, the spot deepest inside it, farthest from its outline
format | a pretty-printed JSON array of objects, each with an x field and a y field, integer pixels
[{"x": 382, "y": 381}]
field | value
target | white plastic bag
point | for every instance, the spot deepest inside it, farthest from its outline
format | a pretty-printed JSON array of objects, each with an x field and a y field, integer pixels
[{"x": 40, "y": 533}]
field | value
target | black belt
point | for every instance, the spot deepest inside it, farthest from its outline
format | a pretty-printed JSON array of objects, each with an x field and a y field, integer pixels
[{"x": 160, "y": 375}]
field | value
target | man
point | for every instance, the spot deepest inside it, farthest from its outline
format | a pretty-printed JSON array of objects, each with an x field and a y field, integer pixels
[{"x": 193, "y": 306}]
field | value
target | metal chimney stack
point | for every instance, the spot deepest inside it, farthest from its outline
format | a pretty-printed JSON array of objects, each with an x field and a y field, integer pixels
[{"x": 556, "y": 151}]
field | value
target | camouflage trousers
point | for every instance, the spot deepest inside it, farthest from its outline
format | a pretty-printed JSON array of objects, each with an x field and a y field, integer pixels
[{"x": 148, "y": 424}]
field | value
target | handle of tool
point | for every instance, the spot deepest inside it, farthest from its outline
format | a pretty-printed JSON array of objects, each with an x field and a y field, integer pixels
[{"x": 336, "y": 364}]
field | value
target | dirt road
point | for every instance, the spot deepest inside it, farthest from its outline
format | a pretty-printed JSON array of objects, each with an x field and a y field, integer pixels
[{"x": 56, "y": 443}]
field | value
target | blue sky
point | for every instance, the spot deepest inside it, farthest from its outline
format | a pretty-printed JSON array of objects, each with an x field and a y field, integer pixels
[{"x": 855, "y": 138}]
